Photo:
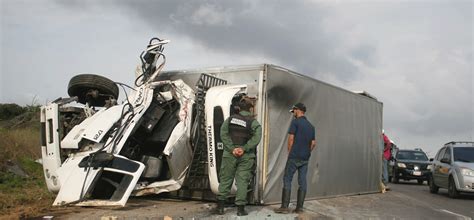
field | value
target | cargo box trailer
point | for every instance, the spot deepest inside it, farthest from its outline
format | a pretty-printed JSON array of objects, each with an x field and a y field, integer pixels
[{"x": 347, "y": 160}]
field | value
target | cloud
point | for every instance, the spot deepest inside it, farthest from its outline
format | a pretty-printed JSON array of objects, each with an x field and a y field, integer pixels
[
  {"x": 289, "y": 32},
  {"x": 211, "y": 15},
  {"x": 417, "y": 59}
]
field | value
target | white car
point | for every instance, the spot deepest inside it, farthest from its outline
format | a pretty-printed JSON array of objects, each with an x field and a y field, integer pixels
[{"x": 453, "y": 169}]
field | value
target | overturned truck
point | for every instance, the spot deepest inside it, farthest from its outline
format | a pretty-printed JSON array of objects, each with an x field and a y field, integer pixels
[{"x": 164, "y": 137}]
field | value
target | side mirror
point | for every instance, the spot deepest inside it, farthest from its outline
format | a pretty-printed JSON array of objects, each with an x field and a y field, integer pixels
[
  {"x": 445, "y": 160},
  {"x": 431, "y": 159}
]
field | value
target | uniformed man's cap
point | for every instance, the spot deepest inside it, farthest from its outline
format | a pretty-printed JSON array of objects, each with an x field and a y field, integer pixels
[{"x": 299, "y": 106}]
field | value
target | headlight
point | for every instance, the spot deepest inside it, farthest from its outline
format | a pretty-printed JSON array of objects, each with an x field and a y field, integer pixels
[
  {"x": 467, "y": 172},
  {"x": 401, "y": 165},
  {"x": 429, "y": 167}
]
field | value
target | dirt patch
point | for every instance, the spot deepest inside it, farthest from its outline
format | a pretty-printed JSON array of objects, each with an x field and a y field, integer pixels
[{"x": 136, "y": 208}]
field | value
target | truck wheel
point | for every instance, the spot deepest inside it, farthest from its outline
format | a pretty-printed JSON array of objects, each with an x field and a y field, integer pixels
[
  {"x": 452, "y": 191},
  {"x": 84, "y": 85},
  {"x": 433, "y": 187},
  {"x": 420, "y": 182}
]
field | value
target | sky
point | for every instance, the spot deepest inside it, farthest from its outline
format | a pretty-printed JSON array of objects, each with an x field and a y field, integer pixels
[{"x": 415, "y": 56}]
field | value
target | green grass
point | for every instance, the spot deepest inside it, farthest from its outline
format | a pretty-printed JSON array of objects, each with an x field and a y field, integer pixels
[{"x": 22, "y": 197}]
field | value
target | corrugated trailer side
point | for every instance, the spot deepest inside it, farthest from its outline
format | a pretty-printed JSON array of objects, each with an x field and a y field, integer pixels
[{"x": 347, "y": 160}]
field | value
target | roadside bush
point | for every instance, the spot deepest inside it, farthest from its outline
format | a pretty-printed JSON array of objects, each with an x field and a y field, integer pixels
[
  {"x": 13, "y": 116},
  {"x": 8, "y": 111}
]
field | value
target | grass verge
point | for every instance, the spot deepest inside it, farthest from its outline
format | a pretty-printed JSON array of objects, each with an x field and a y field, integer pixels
[{"x": 22, "y": 197}]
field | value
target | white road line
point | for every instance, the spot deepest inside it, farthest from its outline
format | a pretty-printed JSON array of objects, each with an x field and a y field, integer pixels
[{"x": 456, "y": 214}]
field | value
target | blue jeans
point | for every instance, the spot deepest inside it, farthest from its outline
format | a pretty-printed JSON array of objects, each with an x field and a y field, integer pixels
[
  {"x": 291, "y": 166},
  {"x": 384, "y": 171}
]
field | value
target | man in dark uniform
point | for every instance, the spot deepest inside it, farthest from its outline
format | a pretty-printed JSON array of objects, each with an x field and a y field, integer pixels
[
  {"x": 240, "y": 134},
  {"x": 301, "y": 141}
]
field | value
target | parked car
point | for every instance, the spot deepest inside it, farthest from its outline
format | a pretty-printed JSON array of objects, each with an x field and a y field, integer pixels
[
  {"x": 453, "y": 169},
  {"x": 409, "y": 165}
]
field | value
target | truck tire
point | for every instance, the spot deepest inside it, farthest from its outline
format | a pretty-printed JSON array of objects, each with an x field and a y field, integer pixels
[{"x": 80, "y": 85}]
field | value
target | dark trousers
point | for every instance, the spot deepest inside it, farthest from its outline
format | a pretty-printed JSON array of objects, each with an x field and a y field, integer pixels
[{"x": 292, "y": 165}]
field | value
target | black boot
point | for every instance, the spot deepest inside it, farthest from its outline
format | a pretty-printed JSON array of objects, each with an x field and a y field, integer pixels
[
  {"x": 219, "y": 210},
  {"x": 241, "y": 210},
  {"x": 285, "y": 201},
  {"x": 300, "y": 201}
]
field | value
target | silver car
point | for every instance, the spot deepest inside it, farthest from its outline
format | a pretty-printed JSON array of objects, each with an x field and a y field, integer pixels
[{"x": 453, "y": 168}]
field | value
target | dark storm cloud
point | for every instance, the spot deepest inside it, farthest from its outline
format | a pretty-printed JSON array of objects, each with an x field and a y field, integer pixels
[{"x": 290, "y": 32}]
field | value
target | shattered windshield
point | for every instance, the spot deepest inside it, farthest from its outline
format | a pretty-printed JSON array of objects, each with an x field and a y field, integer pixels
[
  {"x": 464, "y": 154},
  {"x": 411, "y": 155}
]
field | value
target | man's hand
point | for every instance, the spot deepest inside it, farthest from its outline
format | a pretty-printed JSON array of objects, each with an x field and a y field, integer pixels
[
  {"x": 238, "y": 152},
  {"x": 291, "y": 140}
]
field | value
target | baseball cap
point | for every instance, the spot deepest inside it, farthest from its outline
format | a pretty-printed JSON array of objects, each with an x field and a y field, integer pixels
[{"x": 299, "y": 106}]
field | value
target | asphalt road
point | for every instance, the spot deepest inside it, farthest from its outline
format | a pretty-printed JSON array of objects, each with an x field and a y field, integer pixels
[
  {"x": 406, "y": 200},
  {"x": 462, "y": 206}
]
